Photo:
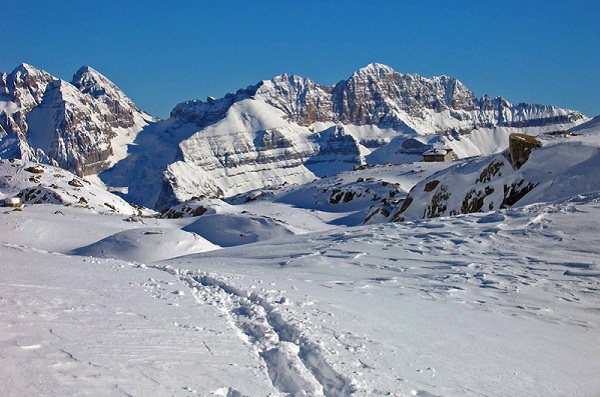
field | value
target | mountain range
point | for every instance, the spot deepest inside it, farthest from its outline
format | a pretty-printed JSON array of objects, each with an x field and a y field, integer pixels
[{"x": 288, "y": 130}]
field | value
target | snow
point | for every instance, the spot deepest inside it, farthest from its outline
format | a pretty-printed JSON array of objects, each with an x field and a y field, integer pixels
[
  {"x": 563, "y": 167},
  {"x": 8, "y": 107},
  {"x": 42, "y": 183},
  {"x": 499, "y": 303},
  {"x": 229, "y": 230},
  {"x": 147, "y": 245}
]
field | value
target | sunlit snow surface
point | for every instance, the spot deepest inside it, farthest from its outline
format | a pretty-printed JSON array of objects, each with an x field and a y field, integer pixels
[{"x": 496, "y": 304}]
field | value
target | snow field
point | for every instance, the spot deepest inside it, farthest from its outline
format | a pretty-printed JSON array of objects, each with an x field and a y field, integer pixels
[{"x": 501, "y": 303}]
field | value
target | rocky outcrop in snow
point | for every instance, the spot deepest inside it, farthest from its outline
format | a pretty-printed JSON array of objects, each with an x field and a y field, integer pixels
[{"x": 34, "y": 183}]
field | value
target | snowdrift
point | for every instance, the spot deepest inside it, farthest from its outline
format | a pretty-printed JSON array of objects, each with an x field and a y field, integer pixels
[
  {"x": 147, "y": 245},
  {"x": 229, "y": 230}
]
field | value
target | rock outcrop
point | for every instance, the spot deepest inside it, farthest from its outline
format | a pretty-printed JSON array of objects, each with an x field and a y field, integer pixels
[
  {"x": 557, "y": 167},
  {"x": 520, "y": 146}
]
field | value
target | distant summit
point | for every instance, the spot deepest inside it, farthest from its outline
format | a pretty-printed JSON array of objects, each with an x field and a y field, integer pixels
[{"x": 72, "y": 125}]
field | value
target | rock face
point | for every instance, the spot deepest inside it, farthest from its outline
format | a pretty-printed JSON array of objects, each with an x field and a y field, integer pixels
[
  {"x": 290, "y": 129},
  {"x": 520, "y": 146},
  {"x": 71, "y": 125}
]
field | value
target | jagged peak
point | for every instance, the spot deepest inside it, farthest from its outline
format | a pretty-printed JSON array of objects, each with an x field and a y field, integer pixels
[
  {"x": 287, "y": 79},
  {"x": 88, "y": 73},
  {"x": 375, "y": 68},
  {"x": 86, "y": 69},
  {"x": 90, "y": 81},
  {"x": 25, "y": 69}
]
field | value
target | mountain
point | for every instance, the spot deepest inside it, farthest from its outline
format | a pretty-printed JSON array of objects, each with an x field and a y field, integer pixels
[
  {"x": 378, "y": 95},
  {"x": 270, "y": 291},
  {"x": 35, "y": 183},
  {"x": 288, "y": 130},
  {"x": 82, "y": 126}
]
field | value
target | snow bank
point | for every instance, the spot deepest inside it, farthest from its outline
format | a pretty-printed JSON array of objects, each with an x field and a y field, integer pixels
[
  {"x": 229, "y": 230},
  {"x": 147, "y": 245}
]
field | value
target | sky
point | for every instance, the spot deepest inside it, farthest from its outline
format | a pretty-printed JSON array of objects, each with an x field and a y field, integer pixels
[{"x": 161, "y": 53}]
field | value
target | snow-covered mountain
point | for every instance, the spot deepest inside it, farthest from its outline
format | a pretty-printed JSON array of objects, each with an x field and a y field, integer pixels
[
  {"x": 292, "y": 130},
  {"x": 35, "y": 183},
  {"x": 288, "y": 130},
  {"x": 378, "y": 95},
  {"x": 287, "y": 289},
  {"x": 82, "y": 126}
]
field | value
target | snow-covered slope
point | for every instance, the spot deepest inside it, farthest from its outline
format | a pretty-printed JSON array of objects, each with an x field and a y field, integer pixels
[
  {"x": 38, "y": 183},
  {"x": 495, "y": 304},
  {"x": 565, "y": 165},
  {"x": 83, "y": 126}
]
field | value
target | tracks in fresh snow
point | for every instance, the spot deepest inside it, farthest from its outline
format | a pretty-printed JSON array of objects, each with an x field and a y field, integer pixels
[{"x": 294, "y": 363}]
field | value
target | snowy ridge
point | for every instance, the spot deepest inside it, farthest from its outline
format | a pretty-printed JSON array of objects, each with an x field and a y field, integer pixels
[
  {"x": 380, "y": 111},
  {"x": 378, "y": 95},
  {"x": 287, "y": 130},
  {"x": 38, "y": 183}
]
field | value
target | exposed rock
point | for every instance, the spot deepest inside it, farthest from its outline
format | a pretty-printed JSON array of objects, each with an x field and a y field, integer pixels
[
  {"x": 516, "y": 191},
  {"x": 12, "y": 202},
  {"x": 437, "y": 206},
  {"x": 520, "y": 146},
  {"x": 429, "y": 186},
  {"x": 490, "y": 172}
]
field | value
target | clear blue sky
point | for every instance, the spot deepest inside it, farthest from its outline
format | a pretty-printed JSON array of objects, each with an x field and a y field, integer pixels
[{"x": 161, "y": 53}]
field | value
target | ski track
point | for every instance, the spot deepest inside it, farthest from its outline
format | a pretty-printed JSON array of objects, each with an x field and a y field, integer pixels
[{"x": 295, "y": 364}]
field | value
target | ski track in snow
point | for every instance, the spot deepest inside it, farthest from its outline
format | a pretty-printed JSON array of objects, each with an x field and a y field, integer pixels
[{"x": 294, "y": 363}]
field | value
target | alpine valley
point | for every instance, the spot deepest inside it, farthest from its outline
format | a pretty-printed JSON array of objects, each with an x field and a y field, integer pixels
[{"x": 289, "y": 239}]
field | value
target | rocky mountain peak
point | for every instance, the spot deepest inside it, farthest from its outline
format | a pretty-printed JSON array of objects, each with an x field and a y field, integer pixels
[
  {"x": 378, "y": 95},
  {"x": 25, "y": 86},
  {"x": 89, "y": 81},
  {"x": 376, "y": 70},
  {"x": 68, "y": 124}
]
